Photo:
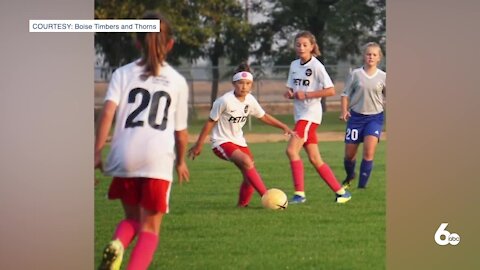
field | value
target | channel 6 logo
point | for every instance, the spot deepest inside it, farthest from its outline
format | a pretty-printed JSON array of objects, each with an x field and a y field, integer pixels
[{"x": 448, "y": 238}]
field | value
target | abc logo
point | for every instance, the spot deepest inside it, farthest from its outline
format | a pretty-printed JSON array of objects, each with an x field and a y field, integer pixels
[{"x": 444, "y": 237}]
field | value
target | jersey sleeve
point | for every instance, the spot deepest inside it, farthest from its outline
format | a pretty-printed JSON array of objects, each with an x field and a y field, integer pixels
[
  {"x": 217, "y": 109},
  {"x": 323, "y": 77},
  {"x": 256, "y": 110},
  {"x": 348, "y": 85},
  {"x": 181, "y": 115},
  {"x": 114, "y": 90}
]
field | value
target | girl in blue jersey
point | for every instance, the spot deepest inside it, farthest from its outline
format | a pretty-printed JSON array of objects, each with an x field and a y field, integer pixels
[{"x": 362, "y": 105}]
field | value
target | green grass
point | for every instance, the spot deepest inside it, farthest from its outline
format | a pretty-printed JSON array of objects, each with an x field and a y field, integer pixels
[{"x": 205, "y": 231}]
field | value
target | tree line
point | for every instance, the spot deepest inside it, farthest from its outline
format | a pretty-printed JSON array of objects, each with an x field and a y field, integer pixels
[{"x": 223, "y": 29}]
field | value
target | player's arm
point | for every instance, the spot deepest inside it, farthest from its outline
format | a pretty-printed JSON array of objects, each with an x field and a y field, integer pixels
[
  {"x": 274, "y": 122},
  {"x": 181, "y": 142},
  {"x": 288, "y": 93},
  {"x": 103, "y": 129},
  {"x": 325, "y": 92},
  {"x": 344, "y": 99},
  {"x": 196, "y": 149},
  {"x": 345, "y": 114}
]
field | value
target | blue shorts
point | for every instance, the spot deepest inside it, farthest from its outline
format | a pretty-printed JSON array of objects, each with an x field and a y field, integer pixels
[{"x": 361, "y": 125}]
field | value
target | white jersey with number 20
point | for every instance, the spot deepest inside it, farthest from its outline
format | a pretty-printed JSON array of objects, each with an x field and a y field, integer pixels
[{"x": 148, "y": 114}]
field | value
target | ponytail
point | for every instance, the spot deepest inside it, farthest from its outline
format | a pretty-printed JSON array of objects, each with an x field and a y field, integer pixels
[{"x": 154, "y": 46}]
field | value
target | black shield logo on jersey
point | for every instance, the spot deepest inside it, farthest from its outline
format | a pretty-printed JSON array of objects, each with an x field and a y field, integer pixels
[
  {"x": 308, "y": 72},
  {"x": 246, "y": 109}
]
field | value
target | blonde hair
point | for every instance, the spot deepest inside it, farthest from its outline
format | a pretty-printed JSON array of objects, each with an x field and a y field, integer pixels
[
  {"x": 154, "y": 45},
  {"x": 373, "y": 45},
  {"x": 312, "y": 39}
]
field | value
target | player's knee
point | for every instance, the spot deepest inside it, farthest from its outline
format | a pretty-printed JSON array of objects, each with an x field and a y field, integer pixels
[
  {"x": 291, "y": 152},
  {"x": 350, "y": 156},
  {"x": 316, "y": 161},
  {"x": 368, "y": 155},
  {"x": 246, "y": 164}
]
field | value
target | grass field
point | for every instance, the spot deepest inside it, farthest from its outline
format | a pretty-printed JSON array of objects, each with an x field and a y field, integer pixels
[{"x": 205, "y": 231}]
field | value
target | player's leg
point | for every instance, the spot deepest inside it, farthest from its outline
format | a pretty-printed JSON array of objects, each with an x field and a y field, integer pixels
[
  {"x": 326, "y": 173},
  {"x": 353, "y": 137},
  {"x": 369, "y": 146},
  {"x": 127, "y": 228},
  {"x": 125, "y": 189},
  {"x": 243, "y": 160},
  {"x": 225, "y": 151},
  {"x": 148, "y": 238},
  {"x": 371, "y": 133},
  {"x": 246, "y": 192},
  {"x": 155, "y": 196},
  {"x": 349, "y": 163},
  {"x": 296, "y": 164}
]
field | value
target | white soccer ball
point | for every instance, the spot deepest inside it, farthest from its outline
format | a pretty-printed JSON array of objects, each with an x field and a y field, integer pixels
[{"x": 275, "y": 199}]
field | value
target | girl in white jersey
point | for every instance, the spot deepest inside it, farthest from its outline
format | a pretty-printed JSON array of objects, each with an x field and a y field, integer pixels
[
  {"x": 307, "y": 83},
  {"x": 362, "y": 107},
  {"x": 150, "y": 101},
  {"x": 227, "y": 117}
]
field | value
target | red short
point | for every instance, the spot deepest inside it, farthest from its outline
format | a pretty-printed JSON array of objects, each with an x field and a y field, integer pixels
[
  {"x": 307, "y": 131},
  {"x": 151, "y": 194},
  {"x": 225, "y": 150}
]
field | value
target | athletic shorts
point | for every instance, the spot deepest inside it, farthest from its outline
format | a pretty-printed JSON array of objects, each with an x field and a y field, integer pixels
[
  {"x": 151, "y": 194},
  {"x": 225, "y": 150},
  {"x": 307, "y": 131},
  {"x": 361, "y": 125}
]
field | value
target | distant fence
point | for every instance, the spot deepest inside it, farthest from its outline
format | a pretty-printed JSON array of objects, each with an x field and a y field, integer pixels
[{"x": 268, "y": 87}]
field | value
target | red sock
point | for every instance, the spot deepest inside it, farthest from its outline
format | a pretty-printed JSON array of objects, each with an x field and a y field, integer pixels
[
  {"x": 126, "y": 231},
  {"x": 297, "y": 174},
  {"x": 143, "y": 251},
  {"x": 256, "y": 180},
  {"x": 246, "y": 192},
  {"x": 327, "y": 175}
]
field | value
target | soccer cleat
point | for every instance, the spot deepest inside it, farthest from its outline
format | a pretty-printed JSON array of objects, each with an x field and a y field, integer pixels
[
  {"x": 347, "y": 182},
  {"x": 112, "y": 256},
  {"x": 343, "y": 198},
  {"x": 298, "y": 199}
]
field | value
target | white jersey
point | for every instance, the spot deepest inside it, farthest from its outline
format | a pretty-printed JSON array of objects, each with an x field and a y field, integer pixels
[
  {"x": 308, "y": 77},
  {"x": 365, "y": 93},
  {"x": 231, "y": 115},
  {"x": 147, "y": 115}
]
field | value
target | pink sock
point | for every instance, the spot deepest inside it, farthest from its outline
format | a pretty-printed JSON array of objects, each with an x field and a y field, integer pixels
[
  {"x": 246, "y": 192},
  {"x": 327, "y": 175},
  {"x": 143, "y": 251},
  {"x": 126, "y": 231},
  {"x": 297, "y": 174},
  {"x": 256, "y": 180}
]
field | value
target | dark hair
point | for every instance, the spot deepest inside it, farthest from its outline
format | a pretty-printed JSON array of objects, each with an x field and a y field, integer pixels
[
  {"x": 307, "y": 34},
  {"x": 242, "y": 67},
  {"x": 154, "y": 45}
]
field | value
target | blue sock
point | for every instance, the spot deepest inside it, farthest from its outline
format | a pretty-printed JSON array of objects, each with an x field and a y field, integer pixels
[
  {"x": 365, "y": 170},
  {"x": 349, "y": 166}
]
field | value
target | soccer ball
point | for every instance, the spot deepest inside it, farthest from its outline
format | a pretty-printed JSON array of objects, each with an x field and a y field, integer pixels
[{"x": 275, "y": 199}]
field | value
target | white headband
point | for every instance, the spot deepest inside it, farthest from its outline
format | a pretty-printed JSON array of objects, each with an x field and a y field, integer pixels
[{"x": 243, "y": 75}]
